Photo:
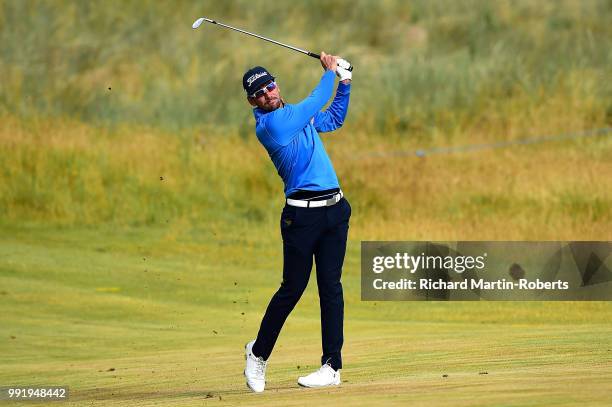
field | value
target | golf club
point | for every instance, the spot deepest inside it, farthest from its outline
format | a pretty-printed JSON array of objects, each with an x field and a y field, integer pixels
[{"x": 341, "y": 62}]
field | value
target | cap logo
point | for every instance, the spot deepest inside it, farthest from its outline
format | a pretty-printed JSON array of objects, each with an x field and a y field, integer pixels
[{"x": 256, "y": 76}]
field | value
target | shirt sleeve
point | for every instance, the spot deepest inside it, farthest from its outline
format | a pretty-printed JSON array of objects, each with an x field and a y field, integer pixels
[
  {"x": 333, "y": 117},
  {"x": 283, "y": 124}
]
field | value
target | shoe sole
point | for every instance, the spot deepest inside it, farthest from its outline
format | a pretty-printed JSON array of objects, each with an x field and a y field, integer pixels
[{"x": 318, "y": 387}]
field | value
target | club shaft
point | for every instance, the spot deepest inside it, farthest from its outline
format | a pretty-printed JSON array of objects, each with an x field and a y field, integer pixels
[{"x": 303, "y": 51}]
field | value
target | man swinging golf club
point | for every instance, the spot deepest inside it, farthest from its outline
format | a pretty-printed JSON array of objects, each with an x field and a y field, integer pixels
[{"x": 315, "y": 219}]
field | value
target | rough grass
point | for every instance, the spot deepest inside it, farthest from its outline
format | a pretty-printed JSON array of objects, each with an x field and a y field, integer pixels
[
  {"x": 421, "y": 66},
  {"x": 68, "y": 173},
  {"x": 115, "y": 115}
]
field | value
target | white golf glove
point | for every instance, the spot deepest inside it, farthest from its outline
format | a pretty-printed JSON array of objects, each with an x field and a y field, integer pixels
[
  {"x": 342, "y": 70},
  {"x": 343, "y": 63}
]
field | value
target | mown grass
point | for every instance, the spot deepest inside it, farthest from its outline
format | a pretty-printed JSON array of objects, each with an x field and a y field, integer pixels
[{"x": 154, "y": 316}]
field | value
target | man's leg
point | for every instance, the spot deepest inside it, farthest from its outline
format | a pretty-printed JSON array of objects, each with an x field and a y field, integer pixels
[
  {"x": 329, "y": 257},
  {"x": 299, "y": 236}
]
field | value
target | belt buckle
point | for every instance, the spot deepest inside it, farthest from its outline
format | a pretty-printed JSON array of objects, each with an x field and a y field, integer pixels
[{"x": 334, "y": 200}]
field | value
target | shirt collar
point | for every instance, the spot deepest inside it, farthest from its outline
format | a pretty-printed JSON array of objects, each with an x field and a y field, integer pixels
[{"x": 257, "y": 112}]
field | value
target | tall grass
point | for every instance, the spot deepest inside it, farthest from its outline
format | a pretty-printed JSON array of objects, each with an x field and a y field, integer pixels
[
  {"x": 118, "y": 112},
  {"x": 68, "y": 173},
  {"x": 420, "y": 65}
]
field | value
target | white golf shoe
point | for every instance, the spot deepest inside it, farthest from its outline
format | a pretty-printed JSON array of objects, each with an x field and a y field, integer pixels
[
  {"x": 325, "y": 376},
  {"x": 255, "y": 370}
]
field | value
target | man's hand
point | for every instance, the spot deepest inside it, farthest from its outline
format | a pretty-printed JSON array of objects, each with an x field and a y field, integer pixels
[
  {"x": 343, "y": 63},
  {"x": 342, "y": 70},
  {"x": 328, "y": 62}
]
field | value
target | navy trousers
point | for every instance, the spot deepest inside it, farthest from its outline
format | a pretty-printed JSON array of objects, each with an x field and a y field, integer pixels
[{"x": 310, "y": 232}]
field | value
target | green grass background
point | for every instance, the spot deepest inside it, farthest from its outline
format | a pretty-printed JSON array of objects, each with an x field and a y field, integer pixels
[{"x": 139, "y": 215}]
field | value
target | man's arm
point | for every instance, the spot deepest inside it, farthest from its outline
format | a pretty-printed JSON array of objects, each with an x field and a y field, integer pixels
[
  {"x": 333, "y": 117},
  {"x": 285, "y": 122}
]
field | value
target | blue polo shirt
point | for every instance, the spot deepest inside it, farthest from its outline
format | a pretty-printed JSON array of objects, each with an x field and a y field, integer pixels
[{"x": 290, "y": 134}]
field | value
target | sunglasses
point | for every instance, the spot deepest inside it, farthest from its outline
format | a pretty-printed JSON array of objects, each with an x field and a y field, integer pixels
[{"x": 268, "y": 88}]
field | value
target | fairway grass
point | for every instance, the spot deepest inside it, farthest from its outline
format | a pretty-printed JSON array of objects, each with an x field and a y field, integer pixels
[{"x": 156, "y": 316}]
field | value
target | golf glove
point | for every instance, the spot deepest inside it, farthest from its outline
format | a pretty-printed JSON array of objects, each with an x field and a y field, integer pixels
[
  {"x": 342, "y": 69},
  {"x": 343, "y": 63},
  {"x": 343, "y": 74}
]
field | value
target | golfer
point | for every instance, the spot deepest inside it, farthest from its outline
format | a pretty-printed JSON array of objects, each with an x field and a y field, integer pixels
[{"x": 315, "y": 219}]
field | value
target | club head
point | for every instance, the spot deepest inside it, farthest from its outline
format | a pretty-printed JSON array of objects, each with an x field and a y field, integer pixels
[{"x": 197, "y": 23}]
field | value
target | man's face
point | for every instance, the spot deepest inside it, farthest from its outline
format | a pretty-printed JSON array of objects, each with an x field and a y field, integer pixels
[{"x": 266, "y": 98}]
